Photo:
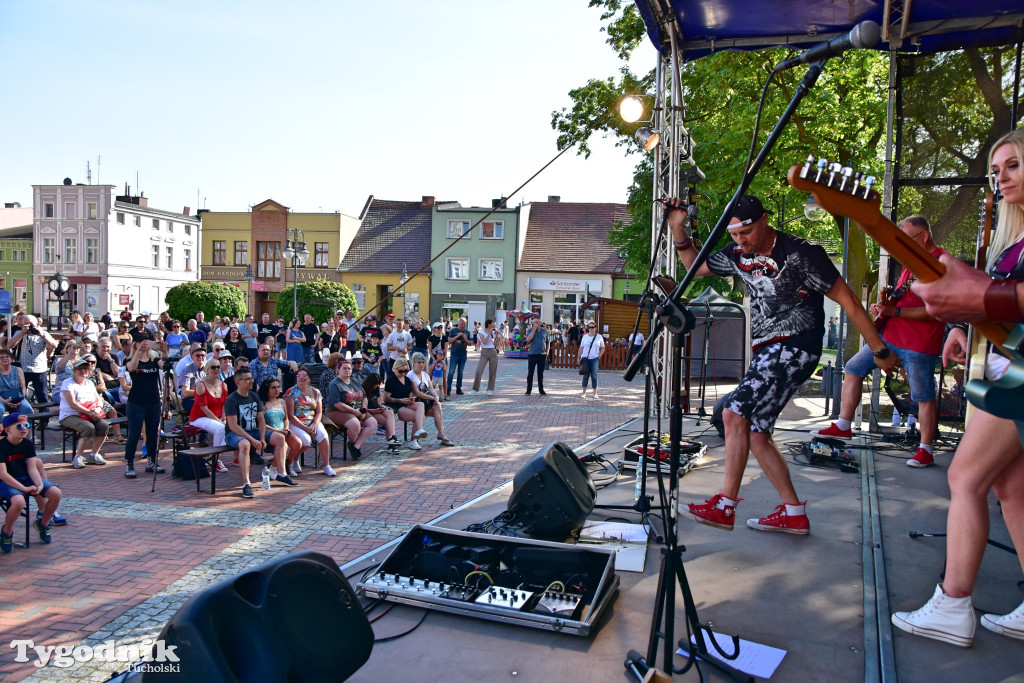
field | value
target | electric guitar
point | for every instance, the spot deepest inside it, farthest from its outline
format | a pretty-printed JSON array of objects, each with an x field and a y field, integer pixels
[
  {"x": 840, "y": 191},
  {"x": 881, "y": 321}
]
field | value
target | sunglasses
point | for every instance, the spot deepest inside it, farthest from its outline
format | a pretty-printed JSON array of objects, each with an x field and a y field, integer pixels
[
  {"x": 21, "y": 425},
  {"x": 401, "y": 372}
]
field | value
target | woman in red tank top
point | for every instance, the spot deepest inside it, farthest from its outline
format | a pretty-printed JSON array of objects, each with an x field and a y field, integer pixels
[{"x": 208, "y": 410}]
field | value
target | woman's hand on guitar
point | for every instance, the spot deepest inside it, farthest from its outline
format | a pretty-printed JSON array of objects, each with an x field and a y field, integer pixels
[
  {"x": 957, "y": 296},
  {"x": 955, "y": 348}
]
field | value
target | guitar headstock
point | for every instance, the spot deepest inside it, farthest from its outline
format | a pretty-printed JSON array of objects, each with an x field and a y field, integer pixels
[{"x": 838, "y": 189}]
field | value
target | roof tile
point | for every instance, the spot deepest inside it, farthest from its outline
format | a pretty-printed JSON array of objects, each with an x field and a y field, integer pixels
[{"x": 568, "y": 237}]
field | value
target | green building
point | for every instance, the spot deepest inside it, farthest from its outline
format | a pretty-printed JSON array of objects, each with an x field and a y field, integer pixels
[
  {"x": 476, "y": 277},
  {"x": 16, "y": 265}
]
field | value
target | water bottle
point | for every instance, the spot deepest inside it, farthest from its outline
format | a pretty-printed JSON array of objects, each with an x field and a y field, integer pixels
[
  {"x": 265, "y": 485},
  {"x": 639, "y": 473}
]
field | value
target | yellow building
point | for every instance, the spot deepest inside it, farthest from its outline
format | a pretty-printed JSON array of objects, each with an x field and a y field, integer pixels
[
  {"x": 393, "y": 237},
  {"x": 243, "y": 249}
]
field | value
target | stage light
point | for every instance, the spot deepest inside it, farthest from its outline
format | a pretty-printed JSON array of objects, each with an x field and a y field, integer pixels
[
  {"x": 812, "y": 211},
  {"x": 647, "y": 138},
  {"x": 631, "y": 108}
]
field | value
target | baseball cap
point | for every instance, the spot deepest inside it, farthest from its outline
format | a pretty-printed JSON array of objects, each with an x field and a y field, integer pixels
[
  {"x": 437, "y": 325},
  {"x": 79, "y": 363},
  {"x": 224, "y": 354},
  {"x": 357, "y": 356},
  {"x": 748, "y": 210},
  {"x": 390, "y": 315},
  {"x": 14, "y": 418}
]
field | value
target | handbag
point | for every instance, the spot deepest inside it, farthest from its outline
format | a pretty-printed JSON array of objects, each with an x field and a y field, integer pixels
[{"x": 585, "y": 361}]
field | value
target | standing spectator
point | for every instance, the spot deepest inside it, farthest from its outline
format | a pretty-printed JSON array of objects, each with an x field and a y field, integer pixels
[
  {"x": 351, "y": 333},
  {"x": 833, "y": 337},
  {"x": 233, "y": 343},
  {"x": 305, "y": 406},
  {"x": 250, "y": 335},
  {"x": 223, "y": 328},
  {"x": 373, "y": 356},
  {"x": 296, "y": 340},
  {"x": 87, "y": 329},
  {"x": 33, "y": 343},
  {"x": 636, "y": 342},
  {"x": 485, "y": 339},
  {"x": 203, "y": 325},
  {"x": 591, "y": 349},
  {"x": 371, "y": 330},
  {"x": 458, "y": 340},
  {"x": 420, "y": 336},
  {"x": 537, "y": 338},
  {"x": 143, "y": 408},
  {"x": 574, "y": 333},
  {"x": 330, "y": 341},
  {"x": 82, "y": 412},
  {"x": 310, "y": 332},
  {"x": 438, "y": 369},
  {"x": 195, "y": 335},
  {"x": 264, "y": 331},
  {"x": 166, "y": 323},
  {"x": 345, "y": 408},
  {"x": 398, "y": 344},
  {"x": 12, "y": 386},
  {"x": 246, "y": 426},
  {"x": 122, "y": 342},
  {"x": 281, "y": 339},
  {"x": 126, "y": 315},
  {"x": 140, "y": 331},
  {"x": 437, "y": 340}
]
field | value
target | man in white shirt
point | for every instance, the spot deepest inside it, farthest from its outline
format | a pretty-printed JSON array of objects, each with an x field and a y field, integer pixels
[
  {"x": 398, "y": 343},
  {"x": 352, "y": 333}
]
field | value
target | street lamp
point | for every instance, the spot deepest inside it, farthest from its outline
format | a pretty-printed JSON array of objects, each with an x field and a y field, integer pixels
[
  {"x": 248, "y": 292},
  {"x": 401, "y": 288},
  {"x": 295, "y": 249}
]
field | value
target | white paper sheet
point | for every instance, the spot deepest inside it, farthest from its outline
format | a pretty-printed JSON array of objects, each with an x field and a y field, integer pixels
[{"x": 755, "y": 659}]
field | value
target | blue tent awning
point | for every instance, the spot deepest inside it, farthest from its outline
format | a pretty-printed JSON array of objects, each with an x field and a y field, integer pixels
[{"x": 709, "y": 26}]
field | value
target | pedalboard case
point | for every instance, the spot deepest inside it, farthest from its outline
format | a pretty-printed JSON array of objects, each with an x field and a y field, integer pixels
[
  {"x": 519, "y": 581},
  {"x": 689, "y": 452}
]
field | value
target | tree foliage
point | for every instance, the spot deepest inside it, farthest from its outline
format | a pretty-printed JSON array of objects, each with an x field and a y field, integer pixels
[
  {"x": 320, "y": 298},
  {"x": 184, "y": 300}
]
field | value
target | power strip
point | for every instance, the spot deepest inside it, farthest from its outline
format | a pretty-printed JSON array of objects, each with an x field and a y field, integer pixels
[
  {"x": 496, "y": 596},
  {"x": 558, "y": 604}
]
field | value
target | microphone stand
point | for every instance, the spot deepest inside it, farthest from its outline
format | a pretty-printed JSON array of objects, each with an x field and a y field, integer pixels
[{"x": 678, "y": 320}]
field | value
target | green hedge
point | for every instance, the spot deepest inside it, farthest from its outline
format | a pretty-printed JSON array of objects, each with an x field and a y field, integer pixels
[
  {"x": 320, "y": 298},
  {"x": 184, "y": 300}
]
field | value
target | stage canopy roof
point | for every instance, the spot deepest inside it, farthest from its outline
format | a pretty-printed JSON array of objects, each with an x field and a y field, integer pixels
[{"x": 923, "y": 26}]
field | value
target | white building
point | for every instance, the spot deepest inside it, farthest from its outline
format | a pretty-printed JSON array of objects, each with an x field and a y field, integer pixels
[{"x": 116, "y": 251}]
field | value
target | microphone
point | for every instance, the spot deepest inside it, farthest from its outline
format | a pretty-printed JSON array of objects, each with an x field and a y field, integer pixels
[{"x": 865, "y": 34}]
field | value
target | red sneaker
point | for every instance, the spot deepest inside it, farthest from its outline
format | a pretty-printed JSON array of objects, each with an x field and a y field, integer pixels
[
  {"x": 834, "y": 432},
  {"x": 714, "y": 512},
  {"x": 922, "y": 459},
  {"x": 781, "y": 521}
]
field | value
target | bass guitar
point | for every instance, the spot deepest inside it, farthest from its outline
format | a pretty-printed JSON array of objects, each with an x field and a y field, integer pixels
[{"x": 843, "y": 192}]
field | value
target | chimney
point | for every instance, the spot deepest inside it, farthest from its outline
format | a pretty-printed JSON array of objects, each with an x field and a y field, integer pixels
[
  {"x": 554, "y": 198},
  {"x": 499, "y": 203},
  {"x": 186, "y": 211},
  {"x": 427, "y": 201}
]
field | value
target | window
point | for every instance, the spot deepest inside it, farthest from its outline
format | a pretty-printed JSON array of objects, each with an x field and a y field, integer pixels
[
  {"x": 241, "y": 253},
  {"x": 48, "y": 210},
  {"x": 3, "y": 255},
  {"x": 49, "y": 249},
  {"x": 491, "y": 268},
  {"x": 69, "y": 209},
  {"x": 120, "y": 217},
  {"x": 91, "y": 211},
  {"x": 156, "y": 255},
  {"x": 170, "y": 226},
  {"x": 24, "y": 255},
  {"x": 268, "y": 260},
  {"x": 220, "y": 256},
  {"x": 188, "y": 259},
  {"x": 170, "y": 258},
  {"x": 457, "y": 269},
  {"x": 457, "y": 228},
  {"x": 138, "y": 221},
  {"x": 156, "y": 223},
  {"x": 70, "y": 250},
  {"x": 320, "y": 255},
  {"x": 188, "y": 228},
  {"x": 92, "y": 250},
  {"x": 492, "y": 230}
]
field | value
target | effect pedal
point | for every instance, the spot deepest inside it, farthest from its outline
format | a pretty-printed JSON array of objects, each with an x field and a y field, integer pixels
[
  {"x": 558, "y": 604},
  {"x": 510, "y": 598},
  {"x": 460, "y": 592}
]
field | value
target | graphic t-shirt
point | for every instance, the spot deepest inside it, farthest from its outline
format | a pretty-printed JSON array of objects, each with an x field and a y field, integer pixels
[
  {"x": 458, "y": 346},
  {"x": 16, "y": 457},
  {"x": 372, "y": 354},
  {"x": 245, "y": 408},
  {"x": 787, "y": 290},
  {"x": 369, "y": 332},
  {"x": 265, "y": 331},
  {"x": 347, "y": 393},
  {"x": 305, "y": 405}
]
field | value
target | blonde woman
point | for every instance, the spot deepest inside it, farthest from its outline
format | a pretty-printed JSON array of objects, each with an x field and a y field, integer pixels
[{"x": 208, "y": 409}]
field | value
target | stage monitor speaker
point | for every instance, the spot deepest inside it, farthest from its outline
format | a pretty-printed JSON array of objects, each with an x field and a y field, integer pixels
[
  {"x": 294, "y": 618},
  {"x": 717, "y": 417},
  {"x": 553, "y": 493}
]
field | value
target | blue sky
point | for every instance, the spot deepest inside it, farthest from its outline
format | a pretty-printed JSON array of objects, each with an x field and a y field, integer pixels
[{"x": 314, "y": 104}]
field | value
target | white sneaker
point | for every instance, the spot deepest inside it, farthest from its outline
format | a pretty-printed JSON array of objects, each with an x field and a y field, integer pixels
[
  {"x": 297, "y": 466},
  {"x": 293, "y": 470},
  {"x": 419, "y": 433},
  {"x": 490, "y": 393},
  {"x": 95, "y": 459},
  {"x": 415, "y": 445},
  {"x": 78, "y": 462},
  {"x": 950, "y": 620},
  {"x": 1011, "y": 624},
  {"x": 329, "y": 471},
  {"x": 474, "y": 393}
]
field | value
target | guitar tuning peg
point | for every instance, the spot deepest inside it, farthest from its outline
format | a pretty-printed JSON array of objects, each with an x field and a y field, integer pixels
[
  {"x": 847, "y": 174},
  {"x": 868, "y": 182},
  {"x": 833, "y": 169},
  {"x": 807, "y": 166},
  {"x": 822, "y": 165},
  {"x": 856, "y": 182}
]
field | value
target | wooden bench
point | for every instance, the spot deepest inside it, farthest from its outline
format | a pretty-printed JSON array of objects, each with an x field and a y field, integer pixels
[
  {"x": 208, "y": 455},
  {"x": 5, "y": 503},
  {"x": 43, "y": 418},
  {"x": 66, "y": 433}
]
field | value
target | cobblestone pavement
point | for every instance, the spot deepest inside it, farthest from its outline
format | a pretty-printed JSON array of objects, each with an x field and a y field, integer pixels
[{"x": 129, "y": 557}]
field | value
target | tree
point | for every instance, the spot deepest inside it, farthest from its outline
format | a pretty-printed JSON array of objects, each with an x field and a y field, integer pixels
[
  {"x": 320, "y": 298},
  {"x": 184, "y": 300}
]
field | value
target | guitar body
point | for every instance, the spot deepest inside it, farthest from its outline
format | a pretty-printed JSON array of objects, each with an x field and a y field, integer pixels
[
  {"x": 881, "y": 321},
  {"x": 843, "y": 195}
]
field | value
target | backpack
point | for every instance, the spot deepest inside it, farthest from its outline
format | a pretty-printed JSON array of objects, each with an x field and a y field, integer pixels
[{"x": 187, "y": 469}]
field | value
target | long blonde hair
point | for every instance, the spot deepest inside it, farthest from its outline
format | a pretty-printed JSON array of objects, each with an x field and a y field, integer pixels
[{"x": 1011, "y": 216}]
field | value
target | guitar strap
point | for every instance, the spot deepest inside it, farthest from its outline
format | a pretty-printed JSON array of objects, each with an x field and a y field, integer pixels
[{"x": 902, "y": 289}]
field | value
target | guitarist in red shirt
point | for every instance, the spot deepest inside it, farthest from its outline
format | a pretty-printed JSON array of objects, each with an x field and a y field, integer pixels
[{"x": 915, "y": 337}]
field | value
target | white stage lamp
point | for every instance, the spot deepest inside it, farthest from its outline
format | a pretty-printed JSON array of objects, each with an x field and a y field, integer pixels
[
  {"x": 647, "y": 138},
  {"x": 631, "y": 108}
]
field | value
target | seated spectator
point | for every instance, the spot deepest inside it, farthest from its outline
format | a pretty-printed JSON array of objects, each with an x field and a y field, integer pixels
[
  {"x": 304, "y": 404},
  {"x": 240, "y": 364},
  {"x": 101, "y": 388},
  {"x": 208, "y": 409},
  {"x": 286, "y": 458},
  {"x": 20, "y": 477},
  {"x": 12, "y": 386},
  {"x": 329, "y": 375},
  {"x": 384, "y": 416},
  {"x": 359, "y": 371},
  {"x": 106, "y": 368},
  {"x": 246, "y": 426},
  {"x": 425, "y": 394},
  {"x": 226, "y": 368},
  {"x": 189, "y": 377},
  {"x": 345, "y": 408},
  {"x": 82, "y": 411},
  {"x": 265, "y": 367},
  {"x": 175, "y": 339},
  {"x": 400, "y": 396}
]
